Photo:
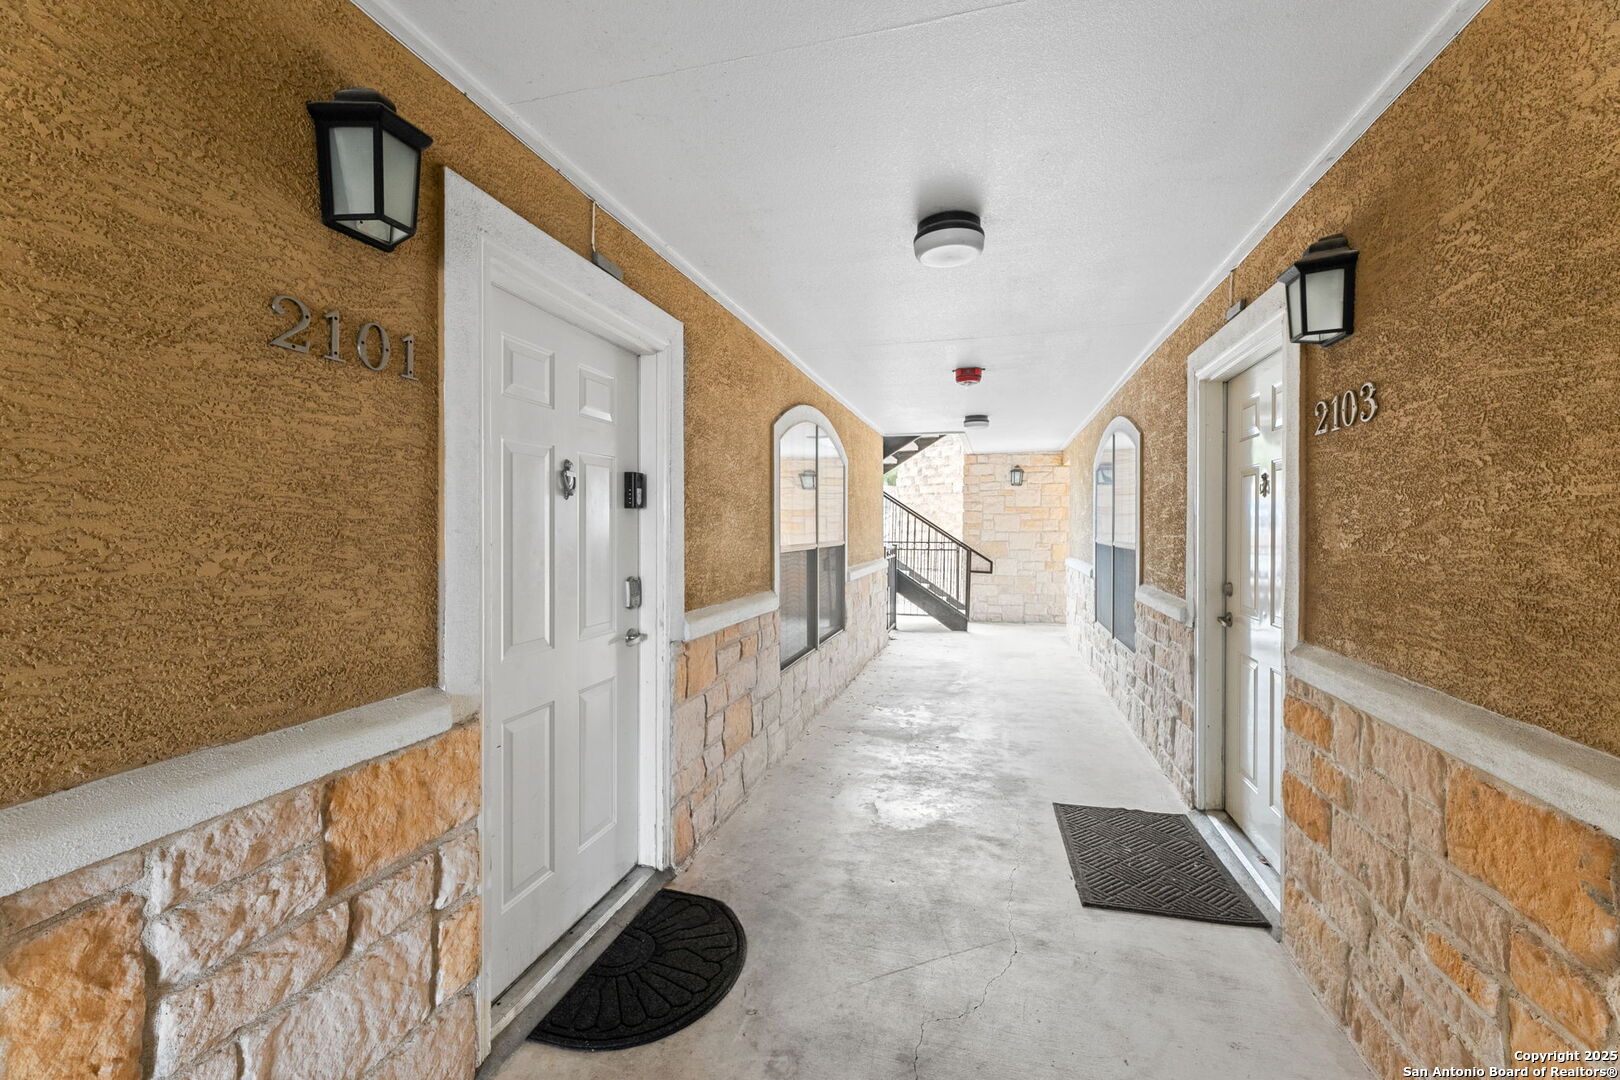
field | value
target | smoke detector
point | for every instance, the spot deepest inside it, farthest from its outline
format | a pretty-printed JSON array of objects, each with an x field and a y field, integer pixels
[
  {"x": 969, "y": 376},
  {"x": 976, "y": 420},
  {"x": 949, "y": 238}
]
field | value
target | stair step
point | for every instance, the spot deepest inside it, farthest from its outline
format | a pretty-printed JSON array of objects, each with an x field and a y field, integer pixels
[
  {"x": 941, "y": 608},
  {"x": 930, "y": 586}
]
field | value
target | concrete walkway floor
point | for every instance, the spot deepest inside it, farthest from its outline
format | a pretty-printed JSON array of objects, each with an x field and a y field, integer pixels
[{"x": 910, "y": 913}]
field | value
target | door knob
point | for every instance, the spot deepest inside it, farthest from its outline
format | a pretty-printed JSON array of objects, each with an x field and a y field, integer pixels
[
  {"x": 634, "y": 637},
  {"x": 1225, "y": 620}
]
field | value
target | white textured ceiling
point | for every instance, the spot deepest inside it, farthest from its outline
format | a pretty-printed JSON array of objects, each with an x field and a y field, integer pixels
[{"x": 1119, "y": 151}]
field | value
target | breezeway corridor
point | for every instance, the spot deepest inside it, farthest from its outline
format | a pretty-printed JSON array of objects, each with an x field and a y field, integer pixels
[{"x": 910, "y": 911}]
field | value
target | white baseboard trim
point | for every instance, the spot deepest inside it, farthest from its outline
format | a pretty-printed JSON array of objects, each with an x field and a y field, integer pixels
[
  {"x": 1078, "y": 564},
  {"x": 1581, "y": 781},
  {"x": 59, "y": 833},
  {"x": 1166, "y": 604},
  {"x": 705, "y": 621},
  {"x": 860, "y": 570}
]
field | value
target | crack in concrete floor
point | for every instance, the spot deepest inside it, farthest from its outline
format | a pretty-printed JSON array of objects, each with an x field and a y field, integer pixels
[{"x": 984, "y": 994}]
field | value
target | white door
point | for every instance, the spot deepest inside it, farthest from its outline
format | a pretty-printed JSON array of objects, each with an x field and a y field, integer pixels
[
  {"x": 1256, "y": 419},
  {"x": 560, "y": 681}
]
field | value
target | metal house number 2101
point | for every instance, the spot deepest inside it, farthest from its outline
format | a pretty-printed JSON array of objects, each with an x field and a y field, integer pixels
[
  {"x": 1347, "y": 409},
  {"x": 371, "y": 343}
]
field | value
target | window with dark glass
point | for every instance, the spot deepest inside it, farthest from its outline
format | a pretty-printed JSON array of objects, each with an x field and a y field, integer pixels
[
  {"x": 1114, "y": 518},
  {"x": 811, "y": 506}
]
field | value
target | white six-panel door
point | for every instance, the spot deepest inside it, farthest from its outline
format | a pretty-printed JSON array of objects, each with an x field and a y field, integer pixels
[
  {"x": 1256, "y": 421},
  {"x": 560, "y": 681}
]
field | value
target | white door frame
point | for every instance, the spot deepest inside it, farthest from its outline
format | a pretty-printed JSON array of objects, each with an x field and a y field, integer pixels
[
  {"x": 480, "y": 231},
  {"x": 1253, "y": 334}
]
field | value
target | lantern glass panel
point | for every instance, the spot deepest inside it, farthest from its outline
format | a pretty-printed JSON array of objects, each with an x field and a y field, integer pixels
[
  {"x": 399, "y": 178},
  {"x": 354, "y": 173},
  {"x": 1324, "y": 301},
  {"x": 1295, "y": 314}
]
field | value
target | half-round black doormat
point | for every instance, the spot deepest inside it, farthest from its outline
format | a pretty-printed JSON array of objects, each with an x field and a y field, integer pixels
[{"x": 672, "y": 964}]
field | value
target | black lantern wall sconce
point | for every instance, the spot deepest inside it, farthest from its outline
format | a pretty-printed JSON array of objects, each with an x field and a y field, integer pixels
[
  {"x": 1322, "y": 292},
  {"x": 1016, "y": 476},
  {"x": 807, "y": 480},
  {"x": 370, "y": 161}
]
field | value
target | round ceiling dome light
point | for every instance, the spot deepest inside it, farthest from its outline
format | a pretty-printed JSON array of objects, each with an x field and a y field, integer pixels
[
  {"x": 949, "y": 238},
  {"x": 976, "y": 420}
]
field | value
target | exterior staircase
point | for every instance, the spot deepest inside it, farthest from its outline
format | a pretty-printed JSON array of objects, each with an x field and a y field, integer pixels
[
  {"x": 928, "y": 566},
  {"x": 898, "y": 449}
]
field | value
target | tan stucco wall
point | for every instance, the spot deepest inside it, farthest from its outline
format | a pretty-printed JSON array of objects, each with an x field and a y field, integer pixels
[
  {"x": 1466, "y": 539},
  {"x": 206, "y": 538}
]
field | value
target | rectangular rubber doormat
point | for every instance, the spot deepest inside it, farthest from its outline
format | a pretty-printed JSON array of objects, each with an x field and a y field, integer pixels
[{"x": 1158, "y": 864}]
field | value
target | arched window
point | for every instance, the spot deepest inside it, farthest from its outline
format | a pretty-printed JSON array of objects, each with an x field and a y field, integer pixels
[
  {"x": 1116, "y": 487},
  {"x": 811, "y": 507}
]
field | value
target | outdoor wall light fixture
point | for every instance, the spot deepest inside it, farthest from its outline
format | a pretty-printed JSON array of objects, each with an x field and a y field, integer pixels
[
  {"x": 1016, "y": 476},
  {"x": 807, "y": 479},
  {"x": 951, "y": 238},
  {"x": 370, "y": 162},
  {"x": 1322, "y": 292}
]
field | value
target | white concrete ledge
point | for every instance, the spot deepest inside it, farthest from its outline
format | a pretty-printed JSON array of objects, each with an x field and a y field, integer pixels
[
  {"x": 1582, "y": 782},
  {"x": 59, "y": 833},
  {"x": 860, "y": 570},
  {"x": 1166, "y": 604},
  {"x": 705, "y": 621},
  {"x": 1078, "y": 564}
]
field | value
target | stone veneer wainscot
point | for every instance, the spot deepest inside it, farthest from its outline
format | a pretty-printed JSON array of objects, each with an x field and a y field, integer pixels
[
  {"x": 1152, "y": 684},
  {"x": 329, "y": 931},
  {"x": 1443, "y": 917},
  {"x": 737, "y": 711}
]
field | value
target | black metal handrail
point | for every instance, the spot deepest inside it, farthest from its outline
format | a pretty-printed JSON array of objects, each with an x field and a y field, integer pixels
[{"x": 941, "y": 560}]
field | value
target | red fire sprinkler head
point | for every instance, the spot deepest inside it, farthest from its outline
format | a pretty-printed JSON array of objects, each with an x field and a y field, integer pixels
[{"x": 969, "y": 376}]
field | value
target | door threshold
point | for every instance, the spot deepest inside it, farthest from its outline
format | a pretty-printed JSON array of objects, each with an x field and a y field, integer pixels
[
  {"x": 1254, "y": 874},
  {"x": 525, "y": 1003}
]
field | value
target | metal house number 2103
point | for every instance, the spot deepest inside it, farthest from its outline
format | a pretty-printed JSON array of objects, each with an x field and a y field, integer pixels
[
  {"x": 371, "y": 343},
  {"x": 1347, "y": 409}
]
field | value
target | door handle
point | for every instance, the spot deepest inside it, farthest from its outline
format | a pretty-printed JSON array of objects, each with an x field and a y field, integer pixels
[
  {"x": 569, "y": 481},
  {"x": 1225, "y": 620},
  {"x": 634, "y": 637}
]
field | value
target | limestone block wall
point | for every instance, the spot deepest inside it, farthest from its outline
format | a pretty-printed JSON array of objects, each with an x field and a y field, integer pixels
[
  {"x": 931, "y": 483},
  {"x": 737, "y": 712},
  {"x": 330, "y": 931},
  {"x": 1152, "y": 684},
  {"x": 1024, "y": 529},
  {"x": 1443, "y": 917}
]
